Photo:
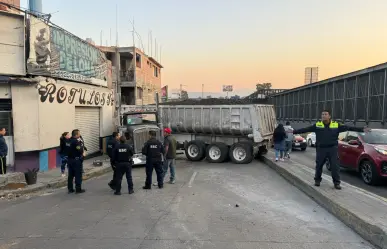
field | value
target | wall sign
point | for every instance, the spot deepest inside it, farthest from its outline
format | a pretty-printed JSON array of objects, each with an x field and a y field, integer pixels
[
  {"x": 59, "y": 54},
  {"x": 53, "y": 93}
]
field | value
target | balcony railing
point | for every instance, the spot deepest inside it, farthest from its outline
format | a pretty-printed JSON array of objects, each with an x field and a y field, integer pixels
[{"x": 126, "y": 75}]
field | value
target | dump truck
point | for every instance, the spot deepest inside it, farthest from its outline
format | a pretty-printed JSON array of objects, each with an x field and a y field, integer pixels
[{"x": 237, "y": 131}]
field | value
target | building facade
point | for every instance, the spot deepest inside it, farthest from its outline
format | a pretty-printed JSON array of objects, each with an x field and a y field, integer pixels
[
  {"x": 51, "y": 82},
  {"x": 138, "y": 79}
]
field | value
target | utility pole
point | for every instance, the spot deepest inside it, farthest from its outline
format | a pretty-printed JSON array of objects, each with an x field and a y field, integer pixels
[
  {"x": 202, "y": 90},
  {"x": 118, "y": 78},
  {"x": 160, "y": 55},
  {"x": 134, "y": 60}
]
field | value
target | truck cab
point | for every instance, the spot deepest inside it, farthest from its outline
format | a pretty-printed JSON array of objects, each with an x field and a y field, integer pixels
[{"x": 138, "y": 121}]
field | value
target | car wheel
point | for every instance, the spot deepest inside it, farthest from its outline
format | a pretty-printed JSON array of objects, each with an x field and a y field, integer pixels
[
  {"x": 303, "y": 149},
  {"x": 368, "y": 172}
]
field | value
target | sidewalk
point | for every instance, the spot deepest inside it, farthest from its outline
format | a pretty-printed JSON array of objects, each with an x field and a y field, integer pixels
[
  {"x": 364, "y": 212},
  {"x": 53, "y": 178}
]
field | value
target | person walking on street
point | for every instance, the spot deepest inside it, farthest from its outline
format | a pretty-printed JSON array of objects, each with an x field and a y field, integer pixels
[
  {"x": 154, "y": 151},
  {"x": 327, "y": 134},
  {"x": 3, "y": 152},
  {"x": 75, "y": 158},
  {"x": 289, "y": 138},
  {"x": 279, "y": 136},
  {"x": 170, "y": 155},
  {"x": 64, "y": 150},
  {"x": 122, "y": 158},
  {"x": 113, "y": 142}
]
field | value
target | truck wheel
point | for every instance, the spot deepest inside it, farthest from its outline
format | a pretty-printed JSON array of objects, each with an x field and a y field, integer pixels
[
  {"x": 241, "y": 153},
  {"x": 217, "y": 152},
  {"x": 195, "y": 150}
]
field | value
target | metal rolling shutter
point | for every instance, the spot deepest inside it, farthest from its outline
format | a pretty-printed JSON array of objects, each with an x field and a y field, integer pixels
[{"x": 87, "y": 121}]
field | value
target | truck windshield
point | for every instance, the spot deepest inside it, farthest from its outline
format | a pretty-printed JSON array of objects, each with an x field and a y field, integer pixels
[{"x": 138, "y": 119}]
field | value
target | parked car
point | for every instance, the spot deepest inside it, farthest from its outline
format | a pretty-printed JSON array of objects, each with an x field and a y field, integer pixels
[
  {"x": 311, "y": 139},
  {"x": 299, "y": 143},
  {"x": 365, "y": 153}
]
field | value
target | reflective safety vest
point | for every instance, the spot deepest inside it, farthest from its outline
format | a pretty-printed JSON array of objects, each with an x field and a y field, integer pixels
[{"x": 332, "y": 125}]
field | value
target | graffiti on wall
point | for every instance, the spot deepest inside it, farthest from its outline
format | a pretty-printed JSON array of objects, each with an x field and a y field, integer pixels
[
  {"x": 59, "y": 54},
  {"x": 53, "y": 93}
]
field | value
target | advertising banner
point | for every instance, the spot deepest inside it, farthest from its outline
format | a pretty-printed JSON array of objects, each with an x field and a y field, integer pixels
[
  {"x": 164, "y": 94},
  {"x": 59, "y": 54},
  {"x": 227, "y": 88}
]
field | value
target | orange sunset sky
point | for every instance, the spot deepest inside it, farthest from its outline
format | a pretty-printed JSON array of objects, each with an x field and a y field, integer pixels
[{"x": 239, "y": 42}]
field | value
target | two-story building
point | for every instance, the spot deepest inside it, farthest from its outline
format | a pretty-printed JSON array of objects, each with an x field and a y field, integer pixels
[{"x": 138, "y": 79}]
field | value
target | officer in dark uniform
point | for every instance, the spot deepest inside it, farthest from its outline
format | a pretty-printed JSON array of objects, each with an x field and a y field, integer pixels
[
  {"x": 75, "y": 158},
  {"x": 129, "y": 139},
  {"x": 327, "y": 133},
  {"x": 122, "y": 158},
  {"x": 154, "y": 151},
  {"x": 113, "y": 142}
]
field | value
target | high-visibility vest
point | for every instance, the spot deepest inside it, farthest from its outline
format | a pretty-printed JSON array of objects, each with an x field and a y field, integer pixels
[{"x": 332, "y": 125}]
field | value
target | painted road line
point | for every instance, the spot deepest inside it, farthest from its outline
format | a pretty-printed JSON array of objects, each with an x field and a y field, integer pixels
[{"x": 192, "y": 179}]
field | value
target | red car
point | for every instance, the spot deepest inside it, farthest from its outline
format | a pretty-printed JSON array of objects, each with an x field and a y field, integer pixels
[{"x": 365, "y": 153}]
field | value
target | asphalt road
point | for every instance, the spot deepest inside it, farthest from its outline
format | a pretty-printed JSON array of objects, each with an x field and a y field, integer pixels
[
  {"x": 221, "y": 206},
  {"x": 308, "y": 158}
]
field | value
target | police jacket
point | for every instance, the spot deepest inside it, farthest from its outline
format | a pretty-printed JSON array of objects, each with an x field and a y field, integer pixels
[
  {"x": 327, "y": 134},
  {"x": 110, "y": 146},
  {"x": 64, "y": 146},
  {"x": 3, "y": 147},
  {"x": 76, "y": 148},
  {"x": 153, "y": 150},
  {"x": 122, "y": 153}
]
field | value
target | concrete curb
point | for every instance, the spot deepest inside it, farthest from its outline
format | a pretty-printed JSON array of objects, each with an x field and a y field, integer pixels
[
  {"x": 372, "y": 232},
  {"x": 58, "y": 183}
]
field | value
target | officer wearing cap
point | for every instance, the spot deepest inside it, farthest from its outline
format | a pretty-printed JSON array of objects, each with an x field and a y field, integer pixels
[
  {"x": 122, "y": 159},
  {"x": 75, "y": 158},
  {"x": 154, "y": 151},
  {"x": 327, "y": 133}
]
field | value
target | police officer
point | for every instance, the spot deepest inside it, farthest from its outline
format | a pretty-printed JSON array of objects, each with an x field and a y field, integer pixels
[
  {"x": 75, "y": 158},
  {"x": 153, "y": 150},
  {"x": 327, "y": 133},
  {"x": 122, "y": 159},
  {"x": 113, "y": 142},
  {"x": 129, "y": 139}
]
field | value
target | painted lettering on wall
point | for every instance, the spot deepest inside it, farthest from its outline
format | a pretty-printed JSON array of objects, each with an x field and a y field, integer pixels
[{"x": 52, "y": 93}]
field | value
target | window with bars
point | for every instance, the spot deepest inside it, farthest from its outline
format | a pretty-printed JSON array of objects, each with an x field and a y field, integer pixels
[{"x": 6, "y": 122}]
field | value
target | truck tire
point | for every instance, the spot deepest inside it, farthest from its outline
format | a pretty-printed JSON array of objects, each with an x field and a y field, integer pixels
[
  {"x": 241, "y": 153},
  {"x": 217, "y": 152},
  {"x": 196, "y": 150}
]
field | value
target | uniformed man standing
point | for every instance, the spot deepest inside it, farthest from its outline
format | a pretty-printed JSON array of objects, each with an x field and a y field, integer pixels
[
  {"x": 154, "y": 151},
  {"x": 122, "y": 159},
  {"x": 327, "y": 133},
  {"x": 75, "y": 158},
  {"x": 113, "y": 142}
]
